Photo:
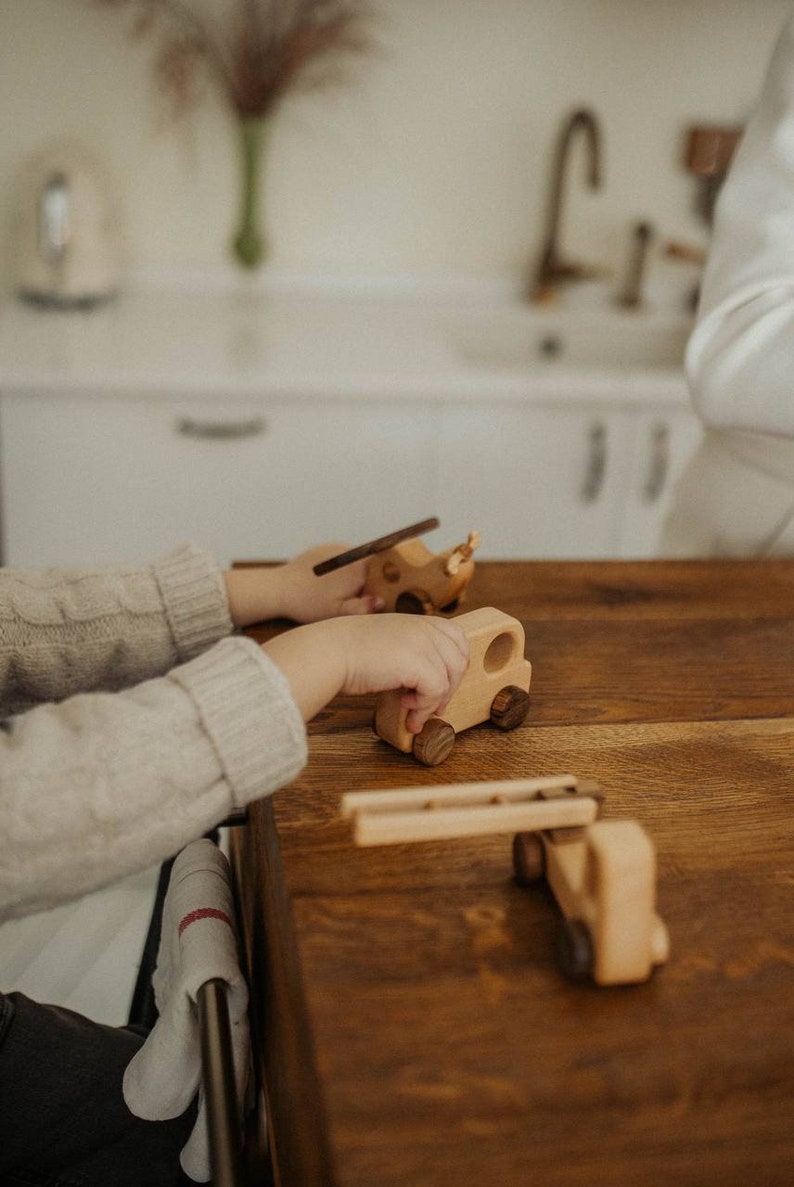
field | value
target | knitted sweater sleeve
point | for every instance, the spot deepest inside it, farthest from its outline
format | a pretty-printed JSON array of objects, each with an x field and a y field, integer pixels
[
  {"x": 104, "y": 784},
  {"x": 132, "y": 726},
  {"x": 740, "y": 358},
  {"x": 64, "y": 631}
]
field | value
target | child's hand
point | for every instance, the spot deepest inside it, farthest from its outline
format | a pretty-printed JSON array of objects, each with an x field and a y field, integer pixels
[
  {"x": 309, "y": 598},
  {"x": 294, "y": 591},
  {"x": 425, "y": 656}
]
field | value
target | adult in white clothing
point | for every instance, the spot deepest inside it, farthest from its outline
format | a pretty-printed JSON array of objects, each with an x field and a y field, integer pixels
[{"x": 736, "y": 497}]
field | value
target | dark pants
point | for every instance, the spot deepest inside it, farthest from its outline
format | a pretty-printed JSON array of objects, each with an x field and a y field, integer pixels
[{"x": 63, "y": 1120}]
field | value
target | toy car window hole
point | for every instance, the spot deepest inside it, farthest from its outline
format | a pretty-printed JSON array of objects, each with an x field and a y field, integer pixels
[{"x": 500, "y": 652}]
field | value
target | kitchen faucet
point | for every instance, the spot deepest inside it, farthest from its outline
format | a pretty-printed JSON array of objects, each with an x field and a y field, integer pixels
[
  {"x": 552, "y": 268},
  {"x": 631, "y": 295}
]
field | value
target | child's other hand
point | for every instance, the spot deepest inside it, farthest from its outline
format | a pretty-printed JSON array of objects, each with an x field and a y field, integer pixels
[
  {"x": 294, "y": 591},
  {"x": 309, "y": 598},
  {"x": 426, "y": 657}
]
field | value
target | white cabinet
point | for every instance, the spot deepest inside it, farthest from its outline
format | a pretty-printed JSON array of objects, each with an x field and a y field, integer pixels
[
  {"x": 95, "y": 479},
  {"x": 260, "y": 422},
  {"x": 662, "y": 443},
  {"x": 89, "y": 480},
  {"x": 537, "y": 481},
  {"x": 568, "y": 482}
]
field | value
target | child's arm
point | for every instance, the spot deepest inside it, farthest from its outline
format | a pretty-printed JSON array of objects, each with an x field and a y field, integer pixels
[
  {"x": 425, "y": 656},
  {"x": 107, "y": 783},
  {"x": 71, "y": 630},
  {"x": 293, "y": 590}
]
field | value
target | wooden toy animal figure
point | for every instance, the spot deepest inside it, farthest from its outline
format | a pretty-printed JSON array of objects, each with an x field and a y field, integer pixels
[
  {"x": 413, "y": 580},
  {"x": 495, "y": 687},
  {"x": 407, "y": 575}
]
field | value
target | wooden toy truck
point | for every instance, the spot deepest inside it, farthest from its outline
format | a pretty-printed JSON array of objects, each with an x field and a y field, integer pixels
[
  {"x": 603, "y": 876},
  {"x": 495, "y": 687},
  {"x": 407, "y": 575},
  {"x": 602, "y": 872}
]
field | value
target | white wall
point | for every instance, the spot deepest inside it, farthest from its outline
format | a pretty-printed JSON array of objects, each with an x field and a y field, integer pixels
[{"x": 432, "y": 160}]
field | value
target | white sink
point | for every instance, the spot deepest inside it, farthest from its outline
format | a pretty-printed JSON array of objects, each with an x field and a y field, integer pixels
[{"x": 522, "y": 338}]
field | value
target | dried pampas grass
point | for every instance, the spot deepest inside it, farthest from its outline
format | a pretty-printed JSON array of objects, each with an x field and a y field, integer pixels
[{"x": 255, "y": 50}]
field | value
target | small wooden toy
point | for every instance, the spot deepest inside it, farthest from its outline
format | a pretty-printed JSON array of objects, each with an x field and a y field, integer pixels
[
  {"x": 450, "y": 810},
  {"x": 495, "y": 687},
  {"x": 602, "y": 872},
  {"x": 413, "y": 580},
  {"x": 603, "y": 877},
  {"x": 407, "y": 575}
]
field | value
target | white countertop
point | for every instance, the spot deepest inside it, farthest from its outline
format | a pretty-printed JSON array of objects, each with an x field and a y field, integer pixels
[{"x": 224, "y": 344}]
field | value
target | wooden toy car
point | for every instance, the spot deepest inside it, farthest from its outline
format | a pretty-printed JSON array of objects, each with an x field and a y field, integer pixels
[
  {"x": 413, "y": 580},
  {"x": 603, "y": 876},
  {"x": 495, "y": 687}
]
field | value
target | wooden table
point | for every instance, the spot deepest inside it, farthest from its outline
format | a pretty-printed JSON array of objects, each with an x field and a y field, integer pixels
[{"x": 409, "y": 1013}]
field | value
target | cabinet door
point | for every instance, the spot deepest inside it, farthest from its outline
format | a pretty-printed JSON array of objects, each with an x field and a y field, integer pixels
[
  {"x": 663, "y": 443},
  {"x": 537, "y": 482},
  {"x": 92, "y": 480}
]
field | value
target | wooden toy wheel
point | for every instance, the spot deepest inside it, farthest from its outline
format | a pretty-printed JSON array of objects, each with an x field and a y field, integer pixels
[
  {"x": 575, "y": 950},
  {"x": 413, "y": 601},
  {"x": 434, "y": 743},
  {"x": 529, "y": 858},
  {"x": 509, "y": 708}
]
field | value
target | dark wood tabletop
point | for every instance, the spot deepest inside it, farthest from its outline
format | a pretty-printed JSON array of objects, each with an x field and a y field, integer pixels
[{"x": 408, "y": 1010}]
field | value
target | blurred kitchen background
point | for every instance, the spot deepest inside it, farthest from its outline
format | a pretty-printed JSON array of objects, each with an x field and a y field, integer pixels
[
  {"x": 431, "y": 159},
  {"x": 384, "y": 363}
]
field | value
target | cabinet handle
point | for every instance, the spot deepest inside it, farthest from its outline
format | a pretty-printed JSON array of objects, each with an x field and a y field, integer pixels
[
  {"x": 596, "y": 463},
  {"x": 659, "y": 463},
  {"x": 220, "y": 430}
]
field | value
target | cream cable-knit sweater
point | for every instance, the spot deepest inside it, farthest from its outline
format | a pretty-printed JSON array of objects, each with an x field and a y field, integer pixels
[
  {"x": 136, "y": 725},
  {"x": 740, "y": 358}
]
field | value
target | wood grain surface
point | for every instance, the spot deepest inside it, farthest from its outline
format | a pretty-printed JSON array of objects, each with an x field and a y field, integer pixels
[{"x": 408, "y": 1008}]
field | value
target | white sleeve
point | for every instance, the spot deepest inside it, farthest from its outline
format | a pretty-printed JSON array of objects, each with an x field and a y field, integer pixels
[{"x": 740, "y": 359}]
